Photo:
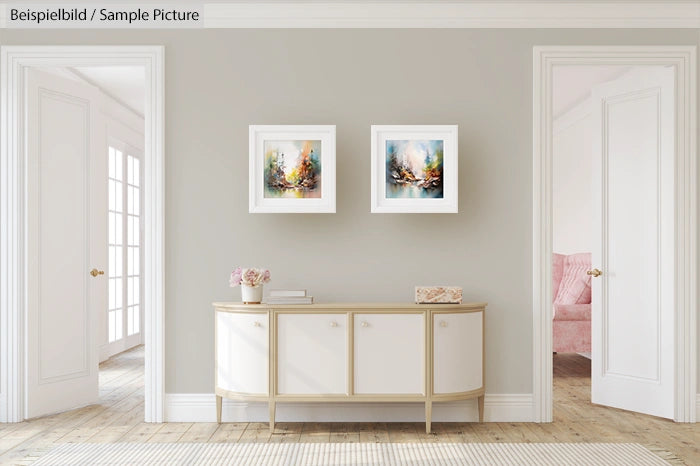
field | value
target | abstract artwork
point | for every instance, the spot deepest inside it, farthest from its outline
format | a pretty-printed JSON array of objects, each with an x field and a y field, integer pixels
[
  {"x": 414, "y": 169},
  {"x": 292, "y": 168}
]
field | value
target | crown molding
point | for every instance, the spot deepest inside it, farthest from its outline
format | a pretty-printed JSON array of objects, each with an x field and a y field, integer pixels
[{"x": 460, "y": 14}]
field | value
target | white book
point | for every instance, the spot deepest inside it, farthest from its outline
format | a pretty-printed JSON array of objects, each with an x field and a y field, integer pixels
[
  {"x": 287, "y": 293},
  {"x": 289, "y": 300}
]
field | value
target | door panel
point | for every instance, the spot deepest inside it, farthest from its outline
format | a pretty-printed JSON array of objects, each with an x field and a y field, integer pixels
[
  {"x": 242, "y": 352},
  {"x": 389, "y": 353},
  {"x": 457, "y": 352},
  {"x": 63, "y": 219},
  {"x": 312, "y": 353},
  {"x": 633, "y": 307}
]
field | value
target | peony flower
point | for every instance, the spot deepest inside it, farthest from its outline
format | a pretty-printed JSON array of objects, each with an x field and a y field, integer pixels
[{"x": 249, "y": 276}]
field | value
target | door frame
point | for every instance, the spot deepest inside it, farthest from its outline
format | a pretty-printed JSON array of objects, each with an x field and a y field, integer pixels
[
  {"x": 683, "y": 58},
  {"x": 14, "y": 61}
]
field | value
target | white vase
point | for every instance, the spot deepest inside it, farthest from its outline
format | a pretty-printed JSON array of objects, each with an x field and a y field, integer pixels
[{"x": 251, "y": 294}]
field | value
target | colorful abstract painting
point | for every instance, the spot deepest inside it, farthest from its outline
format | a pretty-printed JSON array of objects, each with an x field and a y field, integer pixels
[
  {"x": 414, "y": 169},
  {"x": 292, "y": 169}
]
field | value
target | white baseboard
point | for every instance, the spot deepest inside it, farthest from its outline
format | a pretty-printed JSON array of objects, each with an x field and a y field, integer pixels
[{"x": 201, "y": 407}]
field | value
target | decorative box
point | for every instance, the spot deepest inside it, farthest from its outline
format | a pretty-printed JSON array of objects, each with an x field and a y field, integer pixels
[{"x": 439, "y": 294}]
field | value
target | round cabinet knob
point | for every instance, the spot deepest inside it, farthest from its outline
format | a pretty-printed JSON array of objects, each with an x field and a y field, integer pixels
[
  {"x": 364, "y": 324},
  {"x": 256, "y": 324},
  {"x": 334, "y": 324},
  {"x": 443, "y": 323}
]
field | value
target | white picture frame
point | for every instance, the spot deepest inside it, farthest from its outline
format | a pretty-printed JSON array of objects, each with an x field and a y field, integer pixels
[
  {"x": 394, "y": 193},
  {"x": 282, "y": 189}
]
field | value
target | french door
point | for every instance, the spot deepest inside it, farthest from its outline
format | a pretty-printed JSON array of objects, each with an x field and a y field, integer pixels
[{"x": 125, "y": 271}]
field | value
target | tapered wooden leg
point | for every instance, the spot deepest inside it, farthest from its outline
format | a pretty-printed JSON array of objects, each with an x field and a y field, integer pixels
[
  {"x": 218, "y": 409},
  {"x": 272, "y": 416},
  {"x": 428, "y": 415},
  {"x": 481, "y": 408}
]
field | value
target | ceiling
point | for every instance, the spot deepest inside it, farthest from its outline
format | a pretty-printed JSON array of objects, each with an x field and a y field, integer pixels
[
  {"x": 124, "y": 83},
  {"x": 572, "y": 84}
]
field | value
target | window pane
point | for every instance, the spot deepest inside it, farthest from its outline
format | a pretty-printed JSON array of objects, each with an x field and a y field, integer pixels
[
  {"x": 111, "y": 162},
  {"x": 119, "y": 318},
  {"x": 137, "y": 261},
  {"x": 110, "y": 194},
  {"x": 118, "y": 172},
  {"x": 137, "y": 201},
  {"x": 117, "y": 293},
  {"x": 112, "y": 294},
  {"x": 112, "y": 326},
  {"x": 118, "y": 259},
  {"x": 136, "y": 284},
  {"x": 118, "y": 196},
  {"x": 111, "y": 228},
  {"x": 118, "y": 236},
  {"x": 137, "y": 179},
  {"x": 130, "y": 229},
  {"x": 110, "y": 268},
  {"x": 137, "y": 319},
  {"x": 136, "y": 231},
  {"x": 130, "y": 169}
]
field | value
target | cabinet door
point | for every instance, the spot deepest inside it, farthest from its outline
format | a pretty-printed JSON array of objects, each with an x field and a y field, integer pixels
[
  {"x": 242, "y": 352},
  {"x": 311, "y": 354},
  {"x": 457, "y": 352},
  {"x": 389, "y": 353}
]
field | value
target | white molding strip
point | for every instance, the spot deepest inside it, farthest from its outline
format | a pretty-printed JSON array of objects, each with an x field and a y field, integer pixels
[
  {"x": 201, "y": 407},
  {"x": 13, "y": 62},
  {"x": 459, "y": 14},
  {"x": 684, "y": 59}
]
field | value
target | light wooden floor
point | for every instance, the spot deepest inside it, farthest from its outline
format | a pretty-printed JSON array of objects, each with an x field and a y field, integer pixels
[{"x": 119, "y": 418}]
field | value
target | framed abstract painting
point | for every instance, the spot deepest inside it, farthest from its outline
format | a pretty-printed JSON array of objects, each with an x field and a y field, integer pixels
[
  {"x": 292, "y": 169},
  {"x": 414, "y": 168}
]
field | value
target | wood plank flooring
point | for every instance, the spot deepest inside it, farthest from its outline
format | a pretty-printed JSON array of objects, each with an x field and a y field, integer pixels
[{"x": 119, "y": 418}]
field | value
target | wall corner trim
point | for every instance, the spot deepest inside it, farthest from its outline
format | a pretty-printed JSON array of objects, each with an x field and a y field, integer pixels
[{"x": 201, "y": 407}]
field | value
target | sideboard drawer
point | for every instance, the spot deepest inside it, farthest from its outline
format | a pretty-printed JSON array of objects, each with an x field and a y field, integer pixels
[
  {"x": 389, "y": 353},
  {"x": 312, "y": 354},
  {"x": 457, "y": 352},
  {"x": 242, "y": 352}
]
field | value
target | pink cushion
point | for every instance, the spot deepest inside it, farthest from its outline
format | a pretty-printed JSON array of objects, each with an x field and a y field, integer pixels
[
  {"x": 572, "y": 312},
  {"x": 575, "y": 287},
  {"x": 557, "y": 272}
]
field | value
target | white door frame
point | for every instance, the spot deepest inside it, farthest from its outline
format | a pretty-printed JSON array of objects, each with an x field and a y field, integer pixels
[
  {"x": 13, "y": 216},
  {"x": 683, "y": 58}
]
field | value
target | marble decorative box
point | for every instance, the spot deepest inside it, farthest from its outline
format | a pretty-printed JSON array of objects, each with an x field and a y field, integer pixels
[{"x": 439, "y": 294}]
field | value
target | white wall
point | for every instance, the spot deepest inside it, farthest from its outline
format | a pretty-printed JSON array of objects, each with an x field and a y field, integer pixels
[{"x": 571, "y": 203}]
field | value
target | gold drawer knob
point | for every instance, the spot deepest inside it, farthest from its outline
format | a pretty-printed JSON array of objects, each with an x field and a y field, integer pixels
[
  {"x": 443, "y": 323},
  {"x": 365, "y": 324},
  {"x": 256, "y": 324},
  {"x": 595, "y": 273},
  {"x": 334, "y": 324},
  {"x": 95, "y": 272}
]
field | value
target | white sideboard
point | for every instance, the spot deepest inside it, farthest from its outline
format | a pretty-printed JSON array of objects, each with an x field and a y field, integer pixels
[{"x": 349, "y": 352}]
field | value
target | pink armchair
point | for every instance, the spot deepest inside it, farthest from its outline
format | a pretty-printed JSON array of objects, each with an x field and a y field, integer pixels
[{"x": 571, "y": 291}]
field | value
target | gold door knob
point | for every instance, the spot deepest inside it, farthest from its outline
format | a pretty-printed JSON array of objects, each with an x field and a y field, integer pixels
[
  {"x": 95, "y": 272},
  {"x": 595, "y": 273}
]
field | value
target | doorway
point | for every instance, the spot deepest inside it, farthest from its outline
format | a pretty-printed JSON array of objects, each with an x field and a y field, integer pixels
[
  {"x": 681, "y": 60},
  {"x": 15, "y": 310}
]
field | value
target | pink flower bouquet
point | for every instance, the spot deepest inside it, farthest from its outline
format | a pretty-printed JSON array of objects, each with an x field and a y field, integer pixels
[{"x": 249, "y": 276}]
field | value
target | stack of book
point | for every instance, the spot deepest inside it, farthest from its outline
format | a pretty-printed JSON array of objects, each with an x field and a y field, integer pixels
[{"x": 288, "y": 297}]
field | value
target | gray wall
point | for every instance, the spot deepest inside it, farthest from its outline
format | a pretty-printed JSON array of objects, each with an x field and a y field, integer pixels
[{"x": 220, "y": 81}]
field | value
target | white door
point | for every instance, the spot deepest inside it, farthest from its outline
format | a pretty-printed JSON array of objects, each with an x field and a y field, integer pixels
[
  {"x": 633, "y": 242},
  {"x": 389, "y": 353},
  {"x": 66, "y": 230},
  {"x": 312, "y": 354}
]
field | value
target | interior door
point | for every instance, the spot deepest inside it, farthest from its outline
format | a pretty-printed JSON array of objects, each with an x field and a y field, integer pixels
[
  {"x": 633, "y": 212},
  {"x": 66, "y": 229}
]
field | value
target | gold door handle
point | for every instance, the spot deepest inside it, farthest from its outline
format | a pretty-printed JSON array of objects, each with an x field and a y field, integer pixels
[
  {"x": 95, "y": 272},
  {"x": 595, "y": 273}
]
